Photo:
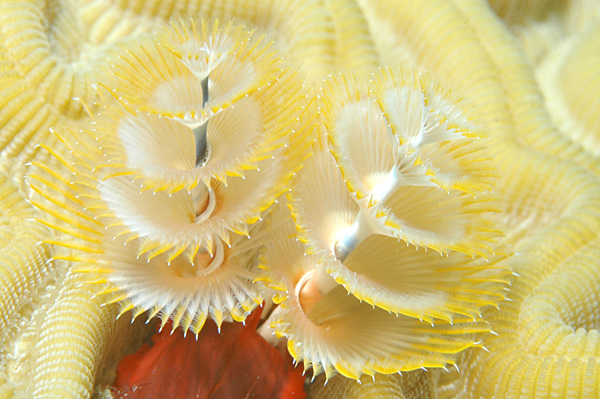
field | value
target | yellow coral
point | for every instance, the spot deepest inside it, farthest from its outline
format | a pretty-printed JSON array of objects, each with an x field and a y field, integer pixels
[
  {"x": 573, "y": 105},
  {"x": 49, "y": 61},
  {"x": 50, "y": 53},
  {"x": 412, "y": 385},
  {"x": 25, "y": 265},
  {"x": 547, "y": 335}
]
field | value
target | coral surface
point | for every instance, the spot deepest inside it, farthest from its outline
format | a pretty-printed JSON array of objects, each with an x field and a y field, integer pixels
[{"x": 409, "y": 189}]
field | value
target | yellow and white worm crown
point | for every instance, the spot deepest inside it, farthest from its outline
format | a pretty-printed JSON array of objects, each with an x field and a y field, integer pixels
[
  {"x": 401, "y": 169},
  {"x": 165, "y": 195}
]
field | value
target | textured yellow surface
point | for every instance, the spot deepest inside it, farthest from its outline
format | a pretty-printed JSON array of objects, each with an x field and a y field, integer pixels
[
  {"x": 25, "y": 264},
  {"x": 51, "y": 53},
  {"x": 529, "y": 72},
  {"x": 414, "y": 385}
]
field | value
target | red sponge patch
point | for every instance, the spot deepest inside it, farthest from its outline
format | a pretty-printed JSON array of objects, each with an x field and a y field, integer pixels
[{"x": 234, "y": 364}]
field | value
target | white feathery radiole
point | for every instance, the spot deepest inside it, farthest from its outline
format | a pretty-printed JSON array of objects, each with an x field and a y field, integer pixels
[
  {"x": 378, "y": 192},
  {"x": 218, "y": 287},
  {"x": 172, "y": 179},
  {"x": 412, "y": 158},
  {"x": 217, "y": 159},
  {"x": 399, "y": 278},
  {"x": 335, "y": 332}
]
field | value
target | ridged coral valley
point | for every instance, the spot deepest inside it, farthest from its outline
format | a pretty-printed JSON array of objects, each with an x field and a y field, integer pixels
[{"x": 409, "y": 189}]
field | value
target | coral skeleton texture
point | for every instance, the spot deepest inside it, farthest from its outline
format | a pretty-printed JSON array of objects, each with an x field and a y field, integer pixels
[{"x": 409, "y": 189}]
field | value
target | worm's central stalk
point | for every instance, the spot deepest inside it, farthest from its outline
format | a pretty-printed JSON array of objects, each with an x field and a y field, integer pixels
[
  {"x": 209, "y": 263},
  {"x": 313, "y": 286},
  {"x": 204, "y": 202},
  {"x": 351, "y": 237},
  {"x": 366, "y": 224},
  {"x": 202, "y": 145}
]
